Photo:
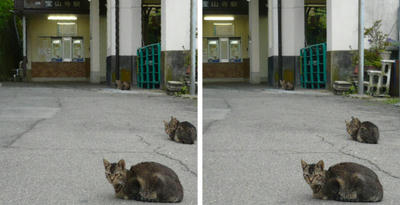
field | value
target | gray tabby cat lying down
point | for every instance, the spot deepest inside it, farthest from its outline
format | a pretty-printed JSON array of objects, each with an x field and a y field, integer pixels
[
  {"x": 345, "y": 181},
  {"x": 366, "y": 132},
  {"x": 183, "y": 132},
  {"x": 146, "y": 181}
]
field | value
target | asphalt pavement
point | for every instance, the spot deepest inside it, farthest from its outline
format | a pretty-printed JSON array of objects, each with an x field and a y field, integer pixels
[
  {"x": 54, "y": 136},
  {"x": 254, "y": 138}
]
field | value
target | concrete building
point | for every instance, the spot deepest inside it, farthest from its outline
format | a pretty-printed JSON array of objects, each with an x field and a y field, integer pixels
[
  {"x": 259, "y": 41},
  {"x": 97, "y": 40}
]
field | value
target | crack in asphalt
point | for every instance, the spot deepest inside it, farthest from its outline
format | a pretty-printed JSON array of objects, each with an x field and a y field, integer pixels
[
  {"x": 156, "y": 151},
  {"x": 185, "y": 166},
  {"x": 18, "y": 136},
  {"x": 327, "y": 142},
  {"x": 141, "y": 138},
  {"x": 341, "y": 150},
  {"x": 205, "y": 128}
]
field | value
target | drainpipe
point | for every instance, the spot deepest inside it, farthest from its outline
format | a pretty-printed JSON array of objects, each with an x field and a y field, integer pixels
[
  {"x": 280, "y": 40},
  {"x": 193, "y": 50},
  {"x": 117, "y": 76},
  {"x": 361, "y": 47}
]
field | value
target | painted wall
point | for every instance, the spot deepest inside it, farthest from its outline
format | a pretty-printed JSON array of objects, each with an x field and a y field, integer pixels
[
  {"x": 38, "y": 28},
  {"x": 241, "y": 29},
  {"x": 387, "y": 12},
  {"x": 292, "y": 27},
  {"x": 175, "y": 25},
  {"x": 130, "y": 30},
  {"x": 342, "y": 24},
  {"x": 342, "y": 21}
]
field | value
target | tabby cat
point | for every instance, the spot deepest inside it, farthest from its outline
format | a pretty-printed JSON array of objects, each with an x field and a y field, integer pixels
[
  {"x": 345, "y": 181},
  {"x": 183, "y": 132},
  {"x": 146, "y": 181},
  {"x": 286, "y": 85},
  {"x": 122, "y": 85},
  {"x": 365, "y": 132}
]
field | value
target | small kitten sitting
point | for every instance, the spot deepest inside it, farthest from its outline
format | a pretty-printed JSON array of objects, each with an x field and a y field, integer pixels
[
  {"x": 345, "y": 181},
  {"x": 122, "y": 85},
  {"x": 183, "y": 132},
  {"x": 146, "y": 181},
  {"x": 365, "y": 132},
  {"x": 286, "y": 85}
]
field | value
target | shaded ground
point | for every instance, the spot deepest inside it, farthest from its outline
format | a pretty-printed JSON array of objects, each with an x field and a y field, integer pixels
[
  {"x": 254, "y": 139},
  {"x": 54, "y": 136}
]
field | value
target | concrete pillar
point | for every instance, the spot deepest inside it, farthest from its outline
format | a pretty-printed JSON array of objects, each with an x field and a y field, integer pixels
[
  {"x": 130, "y": 38},
  {"x": 94, "y": 42},
  {"x": 175, "y": 38},
  {"x": 292, "y": 40},
  {"x": 254, "y": 42},
  {"x": 342, "y": 38}
]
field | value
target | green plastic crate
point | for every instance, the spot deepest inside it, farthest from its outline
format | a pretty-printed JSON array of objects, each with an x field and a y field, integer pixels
[
  {"x": 313, "y": 66},
  {"x": 149, "y": 66}
]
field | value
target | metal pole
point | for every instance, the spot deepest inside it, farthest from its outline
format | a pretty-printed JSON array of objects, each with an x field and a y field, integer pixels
[
  {"x": 24, "y": 48},
  {"x": 398, "y": 28},
  {"x": 193, "y": 50},
  {"x": 361, "y": 47}
]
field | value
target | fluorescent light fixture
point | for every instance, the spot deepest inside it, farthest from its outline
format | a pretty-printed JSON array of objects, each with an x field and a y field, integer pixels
[
  {"x": 219, "y": 18},
  {"x": 235, "y": 42},
  {"x": 68, "y": 18},
  {"x": 57, "y": 41},
  {"x": 77, "y": 41},
  {"x": 222, "y": 24},
  {"x": 212, "y": 42},
  {"x": 65, "y": 23}
]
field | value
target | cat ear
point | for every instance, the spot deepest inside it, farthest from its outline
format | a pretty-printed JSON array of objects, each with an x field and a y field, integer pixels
[
  {"x": 303, "y": 164},
  {"x": 121, "y": 163},
  {"x": 106, "y": 163},
  {"x": 320, "y": 164},
  {"x": 347, "y": 123},
  {"x": 165, "y": 123}
]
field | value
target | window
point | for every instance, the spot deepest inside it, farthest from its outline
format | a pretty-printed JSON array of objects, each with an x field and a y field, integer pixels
[
  {"x": 56, "y": 50},
  {"x": 77, "y": 50},
  {"x": 224, "y": 50},
  {"x": 67, "y": 49},
  {"x": 234, "y": 50},
  {"x": 213, "y": 51}
]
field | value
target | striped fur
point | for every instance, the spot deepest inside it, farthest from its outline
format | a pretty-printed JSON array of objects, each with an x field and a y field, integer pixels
[
  {"x": 345, "y": 181},
  {"x": 183, "y": 132},
  {"x": 146, "y": 181}
]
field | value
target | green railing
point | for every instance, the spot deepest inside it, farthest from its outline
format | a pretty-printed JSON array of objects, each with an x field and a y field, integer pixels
[
  {"x": 313, "y": 66},
  {"x": 149, "y": 66}
]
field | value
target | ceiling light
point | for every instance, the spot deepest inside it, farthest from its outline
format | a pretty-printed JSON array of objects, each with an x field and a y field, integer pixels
[
  {"x": 65, "y": 23},
  {"x": 222, "y": 24},
  {"x": 70, "y": 18},
  {"x": 219, "y": 18},
  {"x": 212, "y": 42}
]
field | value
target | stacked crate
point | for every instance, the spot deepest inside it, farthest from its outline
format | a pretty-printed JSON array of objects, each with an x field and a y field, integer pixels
[
  {"x": 313, "y": 66},
  {"x": 149, "y": 66}
]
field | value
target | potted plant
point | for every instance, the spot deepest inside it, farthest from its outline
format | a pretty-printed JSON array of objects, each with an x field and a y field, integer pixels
[
  {"x": 377, "y": 39},
  {"x": 372, "y": 60}
]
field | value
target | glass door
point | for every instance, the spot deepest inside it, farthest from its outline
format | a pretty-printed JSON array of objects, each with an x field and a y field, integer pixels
[
  {"x": 67, "y": 49},
  {"x": 224, "y": 50}
]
